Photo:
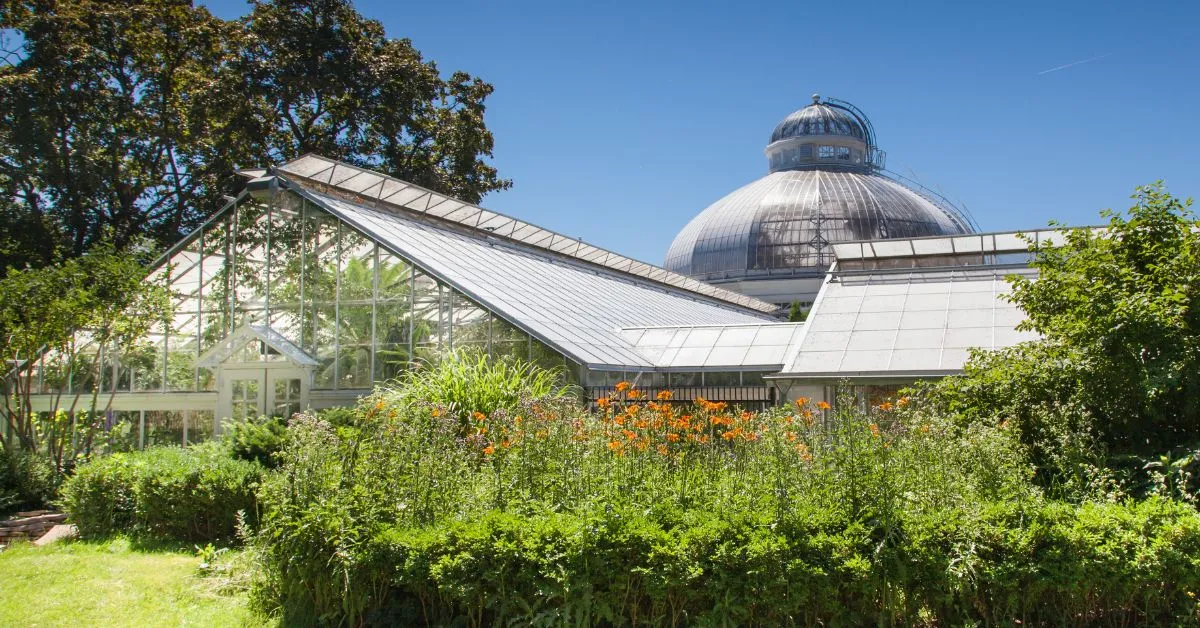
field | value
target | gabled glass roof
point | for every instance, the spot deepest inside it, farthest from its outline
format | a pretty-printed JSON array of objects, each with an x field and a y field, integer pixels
[
  {"x": 708, "y": 347},
  {"x": 377, "y": 188},
  {"x": 575, "y": 307},
  {"x": 907, "y": 324}
]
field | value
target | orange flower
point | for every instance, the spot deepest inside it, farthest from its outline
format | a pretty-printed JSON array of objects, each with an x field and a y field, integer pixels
[
  {"x": 479, "y": 416},
  {"x": 874, "y": 430},
  {"x": 619, "y": 420},
  {"x": 885, "y": 406},
  {"x": 636, "y": 394},
  {"x": 505, "y": 444},
  {"x": 664, "y": 395},
  {"x": 603, "y": 402},
  {"x": 791, "y": 436},
  {"x": 489, "y": 450},
  {"x": 662, "y": 449},
  {"x": 622, "y": 386},
  {"x": 801, "y": 402},
  {"x": 436, "y": 412},
  {"x": 615, "y": 445},
  {"x": 673, "y": 437},
  {"x": 802, "y": 449},
  {"x": 903, "y": 401},
  {"x": 822, "y": 405},
  {"x": 629, "y": 435}
]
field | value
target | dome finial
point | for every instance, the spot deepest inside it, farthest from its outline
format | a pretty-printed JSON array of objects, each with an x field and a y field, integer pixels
[{"x": 816, "y": 98}]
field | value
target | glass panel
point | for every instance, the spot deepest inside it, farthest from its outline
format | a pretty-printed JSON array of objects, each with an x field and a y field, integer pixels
[
  {"x": 507, "y": 340},
  {"x": 354, "y": 367},
  {"x": 470, "y": 321},
  {"x": 284, "y": 263},
  {"x": 245, "y": 399},
  {"x": 200, "y": 426},
  {"x": 250, "y": 256},
  {"x": 287, "y": 398},
  {"x": 545, "y": 357},
  {"x": 722, "y": 379},
  {"x": 164, "y": 427},
  {"x": 320, "y": 293},
  {"x": 123, "y": 430},
  {"x": 390, "y": 361}
]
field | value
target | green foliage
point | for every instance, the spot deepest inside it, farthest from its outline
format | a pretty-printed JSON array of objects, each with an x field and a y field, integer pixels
[
  {"x": 27, "y": 481},
  {"x": 169, "y": 493},
  {"x": 1115, "y": 380},
  {"x": 547, "y": 514},
  {"x": 467, "y": 381},
  {"x": 797, "y": 314},
  {"x": 104, "y": 294},
  {"x": 258, "y": 440},
  {"x": 125, "y": 120}
]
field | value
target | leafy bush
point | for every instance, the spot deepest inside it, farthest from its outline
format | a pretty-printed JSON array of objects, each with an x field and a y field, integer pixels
[
  {"x": 257, "y": 440},
  {"x": 1115, "y": 379},
  {"x": 188, "y": 495},
  {"x": 27, "y": 481},
  {"x": 648, "y": 512}
]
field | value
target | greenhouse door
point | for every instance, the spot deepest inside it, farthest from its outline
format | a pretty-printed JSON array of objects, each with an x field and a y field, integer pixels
[
  {"x": 259, "y": 373},
  {"x": 254, "y": 391}
]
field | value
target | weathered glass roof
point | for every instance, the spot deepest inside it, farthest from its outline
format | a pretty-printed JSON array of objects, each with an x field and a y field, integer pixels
[
  {"x": 374, "y": 188},
  {"x": 716, "y": 347},
  {"x": 576, "y": 307}
]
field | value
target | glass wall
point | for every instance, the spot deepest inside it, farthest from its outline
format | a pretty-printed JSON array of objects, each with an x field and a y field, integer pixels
[{"x": 363, "y": 313}]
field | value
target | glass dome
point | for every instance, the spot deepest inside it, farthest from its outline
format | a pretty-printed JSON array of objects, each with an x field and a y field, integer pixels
[{"x": 825, "y": 184}]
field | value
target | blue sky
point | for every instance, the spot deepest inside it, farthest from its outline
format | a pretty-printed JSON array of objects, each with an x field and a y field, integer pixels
[{"x": 618, "y": 122}]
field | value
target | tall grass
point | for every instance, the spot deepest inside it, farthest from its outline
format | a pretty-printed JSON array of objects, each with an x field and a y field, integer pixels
[{"x": 467, "y": 380}]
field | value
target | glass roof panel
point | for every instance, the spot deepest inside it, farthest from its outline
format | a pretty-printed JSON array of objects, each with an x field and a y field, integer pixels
[
  {"x": 929, "y": 329},
  {"x": 419, "y": 200},
  {"x": 576, "y": 308}
]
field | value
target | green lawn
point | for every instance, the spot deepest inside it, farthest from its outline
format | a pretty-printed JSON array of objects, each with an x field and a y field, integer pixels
[{"x": 110, "y": 584}]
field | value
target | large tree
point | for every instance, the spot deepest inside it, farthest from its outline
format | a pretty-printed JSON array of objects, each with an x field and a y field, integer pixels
[
  {"x": 319, "y": 77},
  {"x": 108, "y": 121},
  {"x": 121, "y": 120}
]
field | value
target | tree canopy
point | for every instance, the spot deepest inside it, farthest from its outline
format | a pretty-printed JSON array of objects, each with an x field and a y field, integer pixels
[{"x": 126, "y": 120}]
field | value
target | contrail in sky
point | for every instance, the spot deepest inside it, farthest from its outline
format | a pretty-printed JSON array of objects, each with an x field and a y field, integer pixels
[{"x": 1075, "y": 63}]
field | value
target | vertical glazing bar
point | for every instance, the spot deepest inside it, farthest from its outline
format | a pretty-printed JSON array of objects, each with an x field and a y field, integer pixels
[
  {"x": 303, "y": 270},
  {"x": 412, "y": 303},
  {"x": 199, "y": 313},
  {"x": 374, "y": 308},
  {"x": 268, "y": 255},
  {"x": 337, "y": 307},
  {"x": 141, "y": 429}
]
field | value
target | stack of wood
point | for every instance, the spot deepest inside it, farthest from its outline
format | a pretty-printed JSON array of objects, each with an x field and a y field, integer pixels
[{"x": 29, "y": 525}]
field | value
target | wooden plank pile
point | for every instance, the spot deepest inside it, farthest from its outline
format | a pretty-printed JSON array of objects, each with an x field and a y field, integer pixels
[{"x": 29, "y": 525}]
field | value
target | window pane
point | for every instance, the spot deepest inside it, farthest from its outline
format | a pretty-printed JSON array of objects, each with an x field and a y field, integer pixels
[
  {"x": 164, "y": 427},
  {"x": 200, "y": 426}
]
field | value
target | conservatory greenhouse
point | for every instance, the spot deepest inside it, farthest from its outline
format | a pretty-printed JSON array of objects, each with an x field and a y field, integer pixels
[{"x": 321, "y": 280}]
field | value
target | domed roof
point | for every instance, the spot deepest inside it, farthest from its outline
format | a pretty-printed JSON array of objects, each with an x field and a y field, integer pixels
[
  {"x": 788, "y": 220},
  {"x": 816, "y": 193},
  {"x": 821, "y": 119}
]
